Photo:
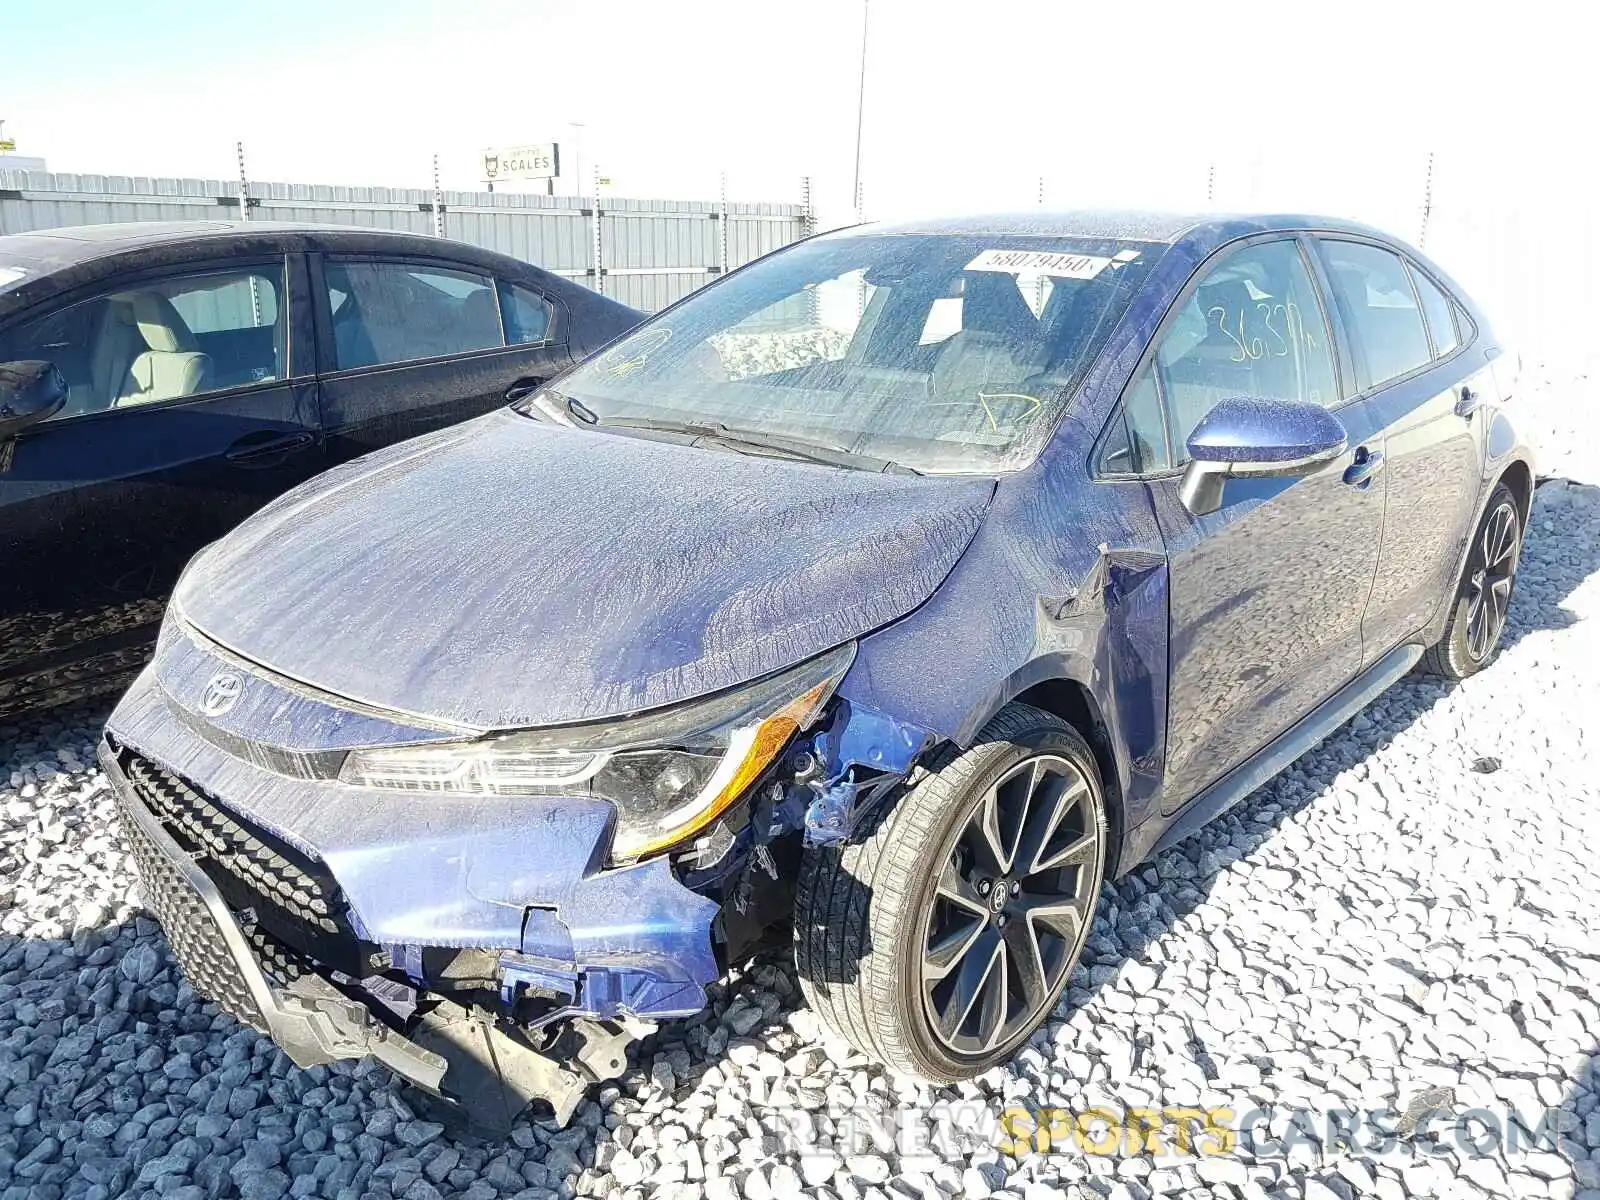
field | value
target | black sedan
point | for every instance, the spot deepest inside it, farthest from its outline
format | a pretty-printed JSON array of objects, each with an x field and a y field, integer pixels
[{"x": 160, "y": 382}]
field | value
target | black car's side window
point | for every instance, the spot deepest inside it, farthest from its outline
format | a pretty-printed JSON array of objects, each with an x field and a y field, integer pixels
[
  {"x": 391, "y": 312},
  {"x": 526, "y": 314},
  {"x": 161, "y": 339},
  {"x": 1380, "y": 311},
  {"x": 1438, "y": 310},
  {"x": 1252, "y": 326}
]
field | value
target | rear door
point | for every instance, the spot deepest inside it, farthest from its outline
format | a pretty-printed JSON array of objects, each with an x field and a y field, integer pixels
[
  {"x": 1412, "y": 368},
  {"x": 192, "y": 402},
  {"x": 1267, "y": 593},
  {"x": 411, "y": 344}
]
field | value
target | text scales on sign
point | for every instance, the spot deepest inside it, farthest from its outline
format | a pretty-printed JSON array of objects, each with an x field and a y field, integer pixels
[{"x": 542, "y": 161}]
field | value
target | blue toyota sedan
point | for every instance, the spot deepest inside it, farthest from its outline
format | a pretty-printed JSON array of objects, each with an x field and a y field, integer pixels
[{"x": 897, "y": 590}]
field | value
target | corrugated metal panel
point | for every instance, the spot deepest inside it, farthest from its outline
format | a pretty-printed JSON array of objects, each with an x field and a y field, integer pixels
[{"x": 654, "y": 251}]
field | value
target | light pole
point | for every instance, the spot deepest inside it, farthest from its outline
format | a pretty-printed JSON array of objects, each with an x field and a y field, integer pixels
[{"x": 861, "y": 100}]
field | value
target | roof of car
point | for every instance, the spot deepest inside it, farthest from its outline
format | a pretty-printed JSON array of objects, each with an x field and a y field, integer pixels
[
  {"x": 1131, "y": 224},
  {"x": 78, "y": 243}
]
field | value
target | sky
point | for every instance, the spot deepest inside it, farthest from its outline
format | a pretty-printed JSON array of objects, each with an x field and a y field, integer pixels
[{"x": 967, "y": 106}]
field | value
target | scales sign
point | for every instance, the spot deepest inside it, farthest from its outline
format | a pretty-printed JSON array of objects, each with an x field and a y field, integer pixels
[{"x": 542, "y": 161}]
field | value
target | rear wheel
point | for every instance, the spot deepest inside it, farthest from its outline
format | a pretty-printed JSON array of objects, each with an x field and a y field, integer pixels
[
  {"x": 943, "y": 938},
  {"x": 1483, "y": 599}
]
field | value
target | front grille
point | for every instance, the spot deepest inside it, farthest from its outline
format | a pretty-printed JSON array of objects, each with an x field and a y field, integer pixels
[
  {"x": 265, "y": 881},
  {"x": 191, "y": 930}
]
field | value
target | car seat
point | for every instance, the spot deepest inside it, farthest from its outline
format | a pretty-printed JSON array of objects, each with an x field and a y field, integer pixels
[
  {"x": 1214, "y": 368},
  {"x": 480, "y": 319},
  {"x": 998, "y": 346},
  {"x": 172, "y": 365}
]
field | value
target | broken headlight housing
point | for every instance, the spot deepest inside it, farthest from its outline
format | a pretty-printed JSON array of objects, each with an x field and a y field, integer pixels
[{"x": 668, "y": 773}]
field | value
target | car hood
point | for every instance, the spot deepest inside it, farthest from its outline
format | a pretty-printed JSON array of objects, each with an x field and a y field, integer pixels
[{"x": 509, "y": 573}]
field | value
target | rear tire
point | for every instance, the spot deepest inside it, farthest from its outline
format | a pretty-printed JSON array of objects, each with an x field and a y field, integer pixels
[
  {"x": 929, "y": 911},
  {"x": 1482, "y": 602}
]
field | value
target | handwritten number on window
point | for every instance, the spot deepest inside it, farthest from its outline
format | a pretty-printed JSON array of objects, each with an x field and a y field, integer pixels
[{"x": 1250, "y": 347}]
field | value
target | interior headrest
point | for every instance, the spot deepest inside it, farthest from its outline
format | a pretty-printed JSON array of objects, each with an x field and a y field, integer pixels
[
  {"x": 992, "y": 303},
  {"x": 160, "y": 325},
  {"x": 1352, "y": 283},
  {"x": 481, "y": 306}
]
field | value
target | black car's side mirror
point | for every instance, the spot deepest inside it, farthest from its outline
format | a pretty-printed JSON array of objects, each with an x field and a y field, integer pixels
[
  {"x": 30, "y": 391},
  {"x": 1250, "y": 437}
]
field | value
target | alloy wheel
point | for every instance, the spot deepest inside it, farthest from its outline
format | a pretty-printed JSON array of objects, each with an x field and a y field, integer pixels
[
  {"x": 1489, "y": 587},
  {"x": 1012, "y": 905}
]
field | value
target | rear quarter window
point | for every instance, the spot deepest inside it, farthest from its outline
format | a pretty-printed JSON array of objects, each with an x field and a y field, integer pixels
[
  {"x": 1440, "y": 314},
  {"x": 1376, "y": 300}
]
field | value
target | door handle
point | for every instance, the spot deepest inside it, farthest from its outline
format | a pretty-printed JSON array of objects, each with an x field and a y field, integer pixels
[
  {"x": 252, "y": 451},
  {"x": 1364, "y": 470},
  {"x": 1468, "y": 401},
  {"x": 522, "y": 389}
]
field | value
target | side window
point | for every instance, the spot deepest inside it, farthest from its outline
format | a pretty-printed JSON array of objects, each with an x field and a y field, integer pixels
[
  {"x": 525, "y": 312},
  {"x": 1253, "y": 326},
  {"x": 1137, "y": 439},
  {"x": 1436, "y": 307},
  {"x": 162, "y": 339},
  {"x": 1379, "y": 309},
  {"x": 390, "y": 312},
  {"x": 1146, "y": 429}
]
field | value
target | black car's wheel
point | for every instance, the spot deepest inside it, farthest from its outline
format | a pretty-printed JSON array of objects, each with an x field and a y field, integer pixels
[
  {"x": 1483, "y": 599},
  {"x": 944, "y": 936}
]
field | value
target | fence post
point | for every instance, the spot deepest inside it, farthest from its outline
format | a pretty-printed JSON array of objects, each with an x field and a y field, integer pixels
[
  {"x": 1038, "y": 284},
  {"x": 1211, "y": 184},
  {"x": 244, "y": 185},
  {"x": 1427, "y": 204},
  {"x": 595, "y": 245},
  {"x": 722, "y": 228},
  {"x": 438, "y": 201},
  {"x": 808, "y": 227}
]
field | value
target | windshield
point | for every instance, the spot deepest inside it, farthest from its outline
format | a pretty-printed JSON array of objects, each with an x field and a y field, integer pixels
[{"x": 942, "y": 353}]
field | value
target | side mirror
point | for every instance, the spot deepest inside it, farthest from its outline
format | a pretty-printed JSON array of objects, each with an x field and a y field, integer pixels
[
  {"x": 30, "y": 391},
  {"x": 1247, "y": 437}
]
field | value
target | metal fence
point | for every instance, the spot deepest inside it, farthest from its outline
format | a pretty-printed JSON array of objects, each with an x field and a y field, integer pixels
[{"x": 646, "y": 253}]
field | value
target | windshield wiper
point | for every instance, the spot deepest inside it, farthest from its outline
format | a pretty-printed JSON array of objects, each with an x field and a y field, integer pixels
[
  {"x": 753, "y": 440},
  {"x": 547, "y": 404}
]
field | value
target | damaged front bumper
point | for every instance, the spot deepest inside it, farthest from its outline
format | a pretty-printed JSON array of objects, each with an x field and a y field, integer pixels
[
  {"x": 486, "y": 956},
  {"x": 315, "y": 1021}
]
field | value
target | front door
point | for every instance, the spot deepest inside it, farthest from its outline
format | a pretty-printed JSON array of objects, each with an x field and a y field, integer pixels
[
  {"x": 188, "y": 409},
  {"x": 1267, "y": 593},
  {"x": 411, "y": 345}
]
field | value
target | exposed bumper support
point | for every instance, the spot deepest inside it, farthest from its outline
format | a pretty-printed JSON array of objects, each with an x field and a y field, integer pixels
[
  {"x": 454, "y": 1054},
  {"x": 862, "y": 754}
]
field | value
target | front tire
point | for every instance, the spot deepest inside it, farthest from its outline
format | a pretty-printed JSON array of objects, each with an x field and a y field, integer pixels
[
  {"x": 1483, "y": 597},
  {"x": 943, "y": 937}
]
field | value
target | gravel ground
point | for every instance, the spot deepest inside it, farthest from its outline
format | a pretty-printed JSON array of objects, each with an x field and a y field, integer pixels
[{"x": 1409, "y": 918}]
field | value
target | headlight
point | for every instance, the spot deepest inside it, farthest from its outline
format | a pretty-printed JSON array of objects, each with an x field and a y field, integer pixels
[{"x": 669, "y": 773}]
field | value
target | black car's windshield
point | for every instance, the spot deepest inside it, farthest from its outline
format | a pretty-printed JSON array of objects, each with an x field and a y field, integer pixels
[{"x": 942, "y": 353}]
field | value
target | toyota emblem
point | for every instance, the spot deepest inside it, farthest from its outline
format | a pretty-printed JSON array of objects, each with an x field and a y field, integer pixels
[{"x": 221, "y": 694}]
